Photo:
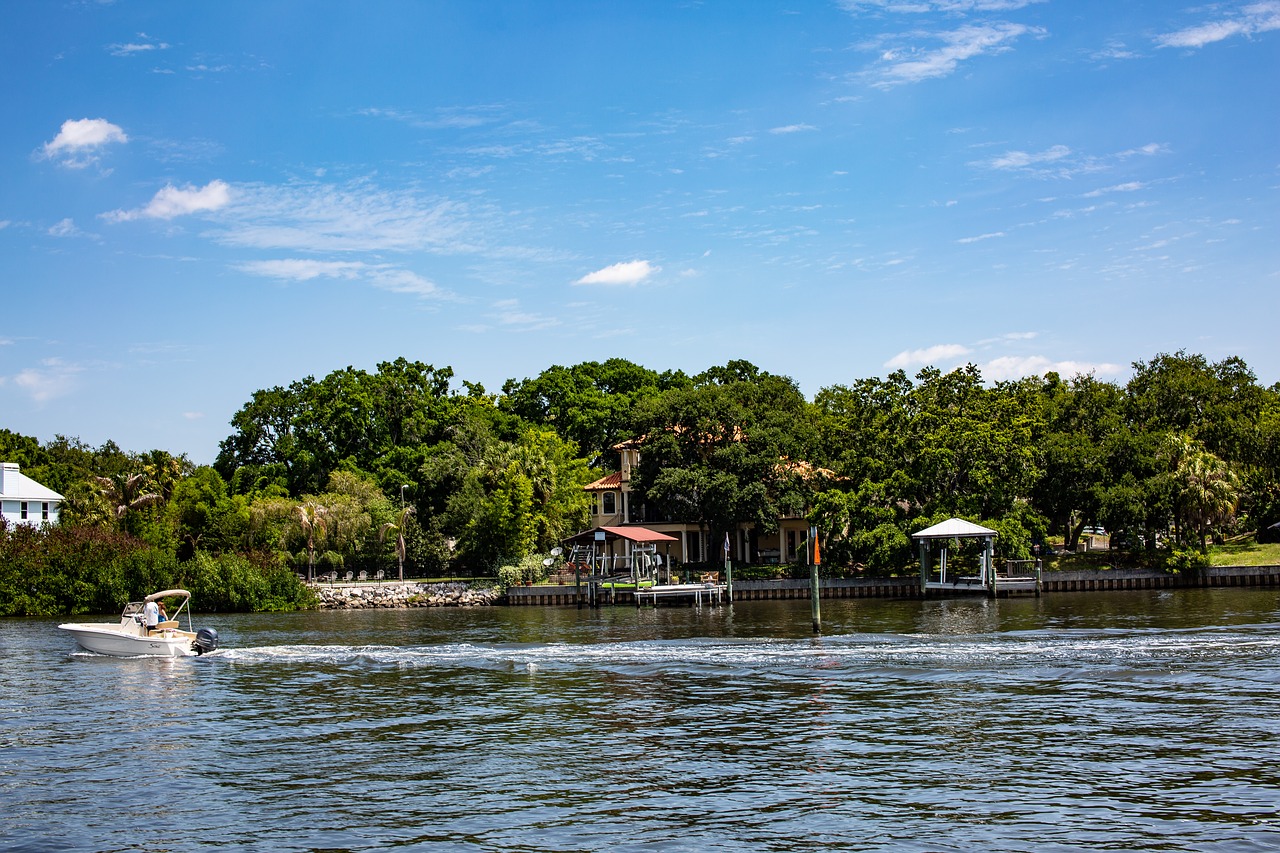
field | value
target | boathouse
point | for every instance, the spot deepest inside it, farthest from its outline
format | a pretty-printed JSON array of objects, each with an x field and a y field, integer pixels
[{"x": 936, "y": 576}]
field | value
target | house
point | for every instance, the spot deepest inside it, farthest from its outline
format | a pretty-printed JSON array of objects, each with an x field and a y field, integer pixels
[
  {"x": 613, "y": 504},
  {"x": 23, "y": 500}
]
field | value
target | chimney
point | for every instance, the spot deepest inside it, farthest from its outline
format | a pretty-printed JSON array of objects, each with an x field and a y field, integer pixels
[{"x": 8, "y": 476}]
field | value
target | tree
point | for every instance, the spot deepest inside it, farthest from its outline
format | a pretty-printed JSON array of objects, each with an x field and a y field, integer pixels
[
  {"x": 311, "y": 518},
  {"x": 400, "y": 525}
]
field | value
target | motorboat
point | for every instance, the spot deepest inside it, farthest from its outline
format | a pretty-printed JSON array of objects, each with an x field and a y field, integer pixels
[{"x": 130, "y": 637}]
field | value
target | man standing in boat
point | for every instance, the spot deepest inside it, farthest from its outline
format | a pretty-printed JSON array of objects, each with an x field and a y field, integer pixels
[{"x": 151, "y": 615}]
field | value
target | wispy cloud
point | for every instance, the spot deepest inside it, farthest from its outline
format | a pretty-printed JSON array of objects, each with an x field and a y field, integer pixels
[
  {"x": 1126, "y": 187},
  {"x": 144, "y": 44},
  {"x": 80, "y": 141},
  {"x": 980, "y": 237},
  {"x": 792, "y": 128},
  {"x": 460, "y": 118},
  {"x": 928, "y": 355},
  {"x": 382, "y": 276},
  {"x": 52, "y": 379},
  {"x": 1060, "y": 161},
  {"x": 353, "y": 217},
  {"x": 1249, "y": 20},
  {"x": 946, "y": 6},
  {"x": 173, "y": 201},
  {"x": 65, "y": 228},
  {"x": 628, "y": 272},
  {"x": 911, "y": 64}
]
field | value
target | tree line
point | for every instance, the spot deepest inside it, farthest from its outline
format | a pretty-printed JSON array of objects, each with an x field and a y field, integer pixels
[{"x": 407, "y": 467}]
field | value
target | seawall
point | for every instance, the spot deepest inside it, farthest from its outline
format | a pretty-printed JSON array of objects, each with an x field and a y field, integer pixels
[{"x": 1098, "y": 580}]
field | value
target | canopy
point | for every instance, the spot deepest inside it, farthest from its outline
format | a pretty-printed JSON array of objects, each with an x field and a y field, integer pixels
[
  {"x": 953, "y": 528},
  {"x": 631, "y": 534}
]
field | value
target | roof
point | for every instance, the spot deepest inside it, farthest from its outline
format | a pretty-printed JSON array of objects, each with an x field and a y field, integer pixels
[
  {"x": 952, "y": 528},
  {"x": 16, "y": 486},
  {"x": 630, "y": 533},
  {"x": 609, "y": 482}
]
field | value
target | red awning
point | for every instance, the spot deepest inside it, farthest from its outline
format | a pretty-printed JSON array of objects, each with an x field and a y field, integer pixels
[{"x": 631, "y": 534}]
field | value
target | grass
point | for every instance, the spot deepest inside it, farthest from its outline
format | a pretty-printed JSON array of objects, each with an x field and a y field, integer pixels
[{"x": 1243, "y": 551}]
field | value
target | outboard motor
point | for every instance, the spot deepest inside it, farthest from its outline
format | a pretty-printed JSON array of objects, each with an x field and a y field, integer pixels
[{"x": 206, "y": 640}]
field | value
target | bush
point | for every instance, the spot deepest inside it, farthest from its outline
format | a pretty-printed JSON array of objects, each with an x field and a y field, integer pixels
[{"x": 1186, "y": 560}]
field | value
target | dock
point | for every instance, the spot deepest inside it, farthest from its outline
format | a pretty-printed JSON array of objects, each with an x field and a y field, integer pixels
[{"x": 713, "y": 593}]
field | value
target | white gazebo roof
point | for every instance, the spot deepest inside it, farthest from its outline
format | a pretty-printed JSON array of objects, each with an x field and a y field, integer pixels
[{"x": 953, "y": 528}]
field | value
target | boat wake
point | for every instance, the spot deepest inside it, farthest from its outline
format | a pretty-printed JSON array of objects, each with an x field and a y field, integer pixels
[{"x": 1156, "y": 649}]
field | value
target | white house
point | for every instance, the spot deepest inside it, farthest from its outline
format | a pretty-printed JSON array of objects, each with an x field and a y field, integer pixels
[{"x": 23, "y": 500}]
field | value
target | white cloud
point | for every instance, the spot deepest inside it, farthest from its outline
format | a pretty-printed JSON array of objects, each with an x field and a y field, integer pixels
[
  {"x": 174, "y": 201},
  {"x": 65, "y": 228},
  {"x": 948, "y": 6},
  {"x": 980, "y": 237},
  {"x": 79, "y": 141},
  {"x": 193, "y": 416},
  {"x": 355, "y": 217},
  {"x": 1252, "y": 19},
  {"x": 382, "y": 276},
  {"x": 1023, "y": 159},
  {"x": 303, "y": 269},
  {"x": 54, "y": 378},
  {"x": 1016, "y": 367},
  {"x": 628, "y": 272},
  {"x": 792, "y": 128},
  {"x": 1127, "y": 187},
  {"x": 144, "y": 45},
  {"x": 913, "y": 65},
  {"x": 928, "y": 355}
]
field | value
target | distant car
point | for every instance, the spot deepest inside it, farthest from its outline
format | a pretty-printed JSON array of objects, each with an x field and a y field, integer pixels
[{"x": 1270, "y": 533}]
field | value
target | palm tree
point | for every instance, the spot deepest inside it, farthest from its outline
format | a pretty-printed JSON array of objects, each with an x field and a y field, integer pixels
[
  {"x": 1210, "y": 493},
  {"x": 122, "y": 493},
  {"x": 399, "y": 525},
  {"x": 311, "y": 518}
]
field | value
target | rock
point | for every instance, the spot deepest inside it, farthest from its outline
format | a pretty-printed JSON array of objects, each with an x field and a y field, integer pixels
[{"x": 399, "y": 595}]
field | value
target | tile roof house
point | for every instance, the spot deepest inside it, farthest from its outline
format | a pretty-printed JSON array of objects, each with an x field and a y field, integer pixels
[
  {"x": 23, "y": 500},
  {"x": 613, "y": 504}
]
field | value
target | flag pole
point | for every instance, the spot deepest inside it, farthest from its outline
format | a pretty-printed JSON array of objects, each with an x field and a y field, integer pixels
[{"x": 728, "y": 570}]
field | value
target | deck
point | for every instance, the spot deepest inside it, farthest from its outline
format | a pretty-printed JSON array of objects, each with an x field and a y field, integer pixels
[{"x": 712, "y": 592}]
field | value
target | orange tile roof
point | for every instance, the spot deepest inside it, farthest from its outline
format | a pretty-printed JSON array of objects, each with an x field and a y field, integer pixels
[{"x": 609, "y": 482}]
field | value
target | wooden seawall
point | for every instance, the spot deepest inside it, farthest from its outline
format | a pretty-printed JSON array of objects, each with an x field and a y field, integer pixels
[{"x": 909, "y": 586}]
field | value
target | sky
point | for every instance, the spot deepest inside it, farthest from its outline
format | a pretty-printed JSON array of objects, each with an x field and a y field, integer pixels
[{"x": 201, "y": 200}]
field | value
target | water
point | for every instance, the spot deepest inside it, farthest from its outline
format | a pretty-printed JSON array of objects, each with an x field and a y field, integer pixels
[{"x": 1116, "y": 721}]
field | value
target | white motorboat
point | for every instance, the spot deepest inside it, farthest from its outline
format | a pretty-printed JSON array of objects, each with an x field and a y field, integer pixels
[{"x": 130, "y": 637}]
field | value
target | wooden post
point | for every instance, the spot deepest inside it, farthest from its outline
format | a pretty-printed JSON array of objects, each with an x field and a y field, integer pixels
[{"x": 814, "y": 559}]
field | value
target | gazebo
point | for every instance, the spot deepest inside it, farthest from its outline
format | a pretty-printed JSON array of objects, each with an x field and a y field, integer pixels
[
  {"x": 943, "y": 532},
  {"x": 989, "y": 580}
]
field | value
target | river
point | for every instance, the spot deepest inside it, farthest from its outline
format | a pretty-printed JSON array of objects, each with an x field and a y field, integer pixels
[{"x": 1145, "y": 720}]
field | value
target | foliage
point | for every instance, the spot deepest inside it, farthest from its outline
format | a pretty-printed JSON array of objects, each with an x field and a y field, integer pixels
[
  {"x": 369, "y": 470},
  {"x": 72, "y": 570}
]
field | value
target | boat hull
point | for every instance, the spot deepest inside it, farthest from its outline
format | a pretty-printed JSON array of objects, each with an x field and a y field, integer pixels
[{"x": 103, "y": 640}]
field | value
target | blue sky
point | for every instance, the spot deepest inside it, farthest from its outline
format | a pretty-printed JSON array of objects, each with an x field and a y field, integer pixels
[{"x": 200, "y": 200}]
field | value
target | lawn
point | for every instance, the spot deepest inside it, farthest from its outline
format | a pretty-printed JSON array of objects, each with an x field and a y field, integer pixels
[{"x": 1243, "y": 551}]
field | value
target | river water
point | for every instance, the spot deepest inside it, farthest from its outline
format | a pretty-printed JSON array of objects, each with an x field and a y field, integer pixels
[{"x": 1142, "y": 720}]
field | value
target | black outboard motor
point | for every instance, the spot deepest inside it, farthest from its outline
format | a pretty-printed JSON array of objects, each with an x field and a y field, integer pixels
[{"x": 206, "y": 641}]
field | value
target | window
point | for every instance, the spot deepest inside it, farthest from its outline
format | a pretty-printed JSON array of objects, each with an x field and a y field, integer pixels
[
  {"x": 791, "y": 544},
  {"x": 610, "y": 503},
  {"x": 24, "y": 510},
  {"x": 44, "y": 510}
]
